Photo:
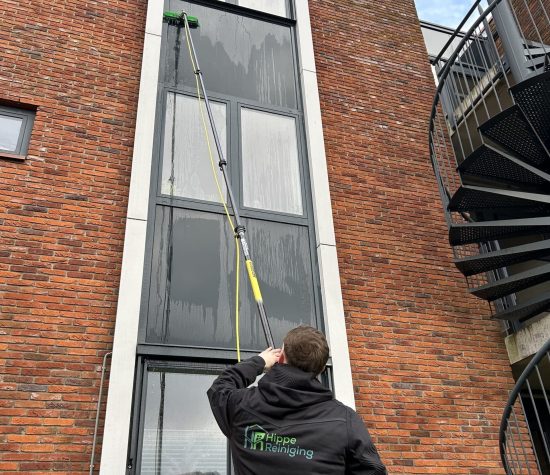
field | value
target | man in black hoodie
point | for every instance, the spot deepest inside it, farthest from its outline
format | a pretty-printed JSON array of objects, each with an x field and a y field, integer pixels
[{"x": 290, "y": 423}]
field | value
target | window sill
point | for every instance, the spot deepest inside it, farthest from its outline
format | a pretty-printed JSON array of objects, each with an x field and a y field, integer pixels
[{"x": 12, "y": 156}]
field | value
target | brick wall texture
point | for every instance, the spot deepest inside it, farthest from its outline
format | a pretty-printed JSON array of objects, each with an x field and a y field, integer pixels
[
  {"x": 62, "y": 218},
  {"x": 430, "y": 370}
]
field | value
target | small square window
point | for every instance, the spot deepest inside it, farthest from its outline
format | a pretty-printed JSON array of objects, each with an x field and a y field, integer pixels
[{"x": 15, "y": 131}]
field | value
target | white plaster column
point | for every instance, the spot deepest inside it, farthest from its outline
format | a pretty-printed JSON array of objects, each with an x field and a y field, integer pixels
[
  {"x": 119, "y": 398},
  {"x": 331, "y": 290}
]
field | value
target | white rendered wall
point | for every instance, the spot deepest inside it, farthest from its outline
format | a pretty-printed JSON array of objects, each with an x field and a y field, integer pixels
[
  {"x": 331, "y": 290},
  {"x": 121, "y": 380}
]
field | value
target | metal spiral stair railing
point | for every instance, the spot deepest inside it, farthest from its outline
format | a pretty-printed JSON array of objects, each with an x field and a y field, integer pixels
[
  {"x": 489, "y": 143},
  {"x": 525, "y": 444}
]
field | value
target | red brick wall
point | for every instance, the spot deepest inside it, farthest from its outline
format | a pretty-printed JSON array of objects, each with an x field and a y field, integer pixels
[
  {"x": 62, "y": 220},
  {"x": 532, "y": 16},
  {"x": 430, "y": 370}
]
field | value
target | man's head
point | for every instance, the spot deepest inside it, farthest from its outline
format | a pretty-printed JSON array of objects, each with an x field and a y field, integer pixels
[{"x": 306, "y": 348}]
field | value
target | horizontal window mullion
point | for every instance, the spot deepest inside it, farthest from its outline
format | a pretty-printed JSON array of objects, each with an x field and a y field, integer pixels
[
  {"x": 244, "y": 11},
  {"x": 279, "y": 218},
  {"x": 192, "y": 353},
  {"x": 186, "y": 203},
  {"x": 182, "y": 203},
  {"x": 234, "y": 100}
]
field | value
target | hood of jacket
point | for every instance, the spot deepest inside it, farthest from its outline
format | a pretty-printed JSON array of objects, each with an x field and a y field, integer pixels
[{"x": 290, "y": 388}]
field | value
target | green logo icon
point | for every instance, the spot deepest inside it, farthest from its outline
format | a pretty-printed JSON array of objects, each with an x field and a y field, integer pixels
[
  {"x": 258, "y": 440},
  {"x": 254, "y": 437}
]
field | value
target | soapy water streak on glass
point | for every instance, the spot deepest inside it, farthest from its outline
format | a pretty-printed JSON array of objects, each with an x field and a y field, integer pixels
[
  {"x": 185, "y": 151},
  {"x": 271, "y": 170},
  {"x": 202, "y": 270},
  {"x": 239, "y": 56},
  {"x": 180, "y": 434}
]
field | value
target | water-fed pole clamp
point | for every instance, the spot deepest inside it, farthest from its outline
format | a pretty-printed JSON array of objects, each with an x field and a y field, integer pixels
[{"x": 239, "y": 230}]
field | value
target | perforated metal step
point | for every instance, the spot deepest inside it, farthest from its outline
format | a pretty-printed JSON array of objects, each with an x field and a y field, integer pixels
[
  {"x": 533, "y": 98},
  {"x": 525, "y": 310},
  {"x": 473, "y": 198},
  {"x": 505, "y": 257},
  {"x": 485, "y": 204},
  {"x": 512, "y": 284},
  {"x": 470, "y": 233},
  {"x": 491, "y": 164},
  {"x": 511, "y": 130}
]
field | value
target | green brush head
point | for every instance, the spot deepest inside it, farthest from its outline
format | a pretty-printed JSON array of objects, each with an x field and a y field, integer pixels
[{"x": 175, "y": 18}]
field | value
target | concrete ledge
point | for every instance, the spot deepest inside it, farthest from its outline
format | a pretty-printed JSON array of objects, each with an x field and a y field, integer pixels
[{"x": 528, "y": 340}]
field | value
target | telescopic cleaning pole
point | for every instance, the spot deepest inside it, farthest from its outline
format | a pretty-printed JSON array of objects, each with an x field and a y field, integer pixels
[{"x": 240, "y": 231}]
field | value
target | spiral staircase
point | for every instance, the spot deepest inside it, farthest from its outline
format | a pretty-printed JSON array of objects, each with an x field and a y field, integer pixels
[
  {"x": 505, "y": 194},
  {"x": 490, "y": 149}
]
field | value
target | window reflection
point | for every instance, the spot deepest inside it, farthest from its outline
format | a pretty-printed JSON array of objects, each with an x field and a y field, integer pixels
[
  {"x": 192, "y": 293},
  {"x": 270, "y": 162},
  {"x": 275, "y": 7},
  {"x": 239, "y": 56},
  {"x": 180, "y": 434},
  {"x": 186, "y": 166}
]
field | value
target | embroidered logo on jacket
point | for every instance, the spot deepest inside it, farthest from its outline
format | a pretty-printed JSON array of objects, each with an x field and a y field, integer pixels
[{"x": 257, "y": 438}]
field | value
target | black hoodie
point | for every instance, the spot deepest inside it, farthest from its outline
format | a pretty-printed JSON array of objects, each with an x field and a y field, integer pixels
[{"x": 289, "y": 424}]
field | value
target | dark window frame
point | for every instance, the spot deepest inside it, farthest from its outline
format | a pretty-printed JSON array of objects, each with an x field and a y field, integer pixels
[
  {"x": 140, "y": 399},
  {"x": 182, "y": 201},
  {"x": 233, "y": 105},
  {"x": 27, "y": 117},
  {"x": 193, "y": 365}
]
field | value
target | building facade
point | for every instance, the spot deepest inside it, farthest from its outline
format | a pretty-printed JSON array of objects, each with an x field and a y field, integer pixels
[{"x": 117, "y": 261}]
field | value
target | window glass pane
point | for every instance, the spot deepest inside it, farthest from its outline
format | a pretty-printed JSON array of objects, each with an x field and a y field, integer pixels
[
  {"x": 192, "y": 294},
  {"x": 190, "y": 286},
  {"x": 10, "y": 129},
  {"x": 271, "y": 171},
  {"x": 239, "y": 56},
  {"x": 275, "y": 7},
  {"x": 180, "y": 434},
  {"x": 282, "y": 260},
  {"x": 186, "y": 166}
]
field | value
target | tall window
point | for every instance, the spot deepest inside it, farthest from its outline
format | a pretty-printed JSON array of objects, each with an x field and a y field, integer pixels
[
  {"x": 249, "y": 68},
  {"x": 249, "y": 65}
]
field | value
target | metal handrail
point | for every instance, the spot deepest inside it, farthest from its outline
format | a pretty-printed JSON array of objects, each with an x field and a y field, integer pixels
[
  {"x": 477, "y": 48},
  {"x": 512, "y": 399},
  {"x": 449, "y": 62},
  {"x": 457, "y": 31}
]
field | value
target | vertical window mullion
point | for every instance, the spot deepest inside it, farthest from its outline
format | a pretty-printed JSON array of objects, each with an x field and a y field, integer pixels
[{"x": 235, "y": 158}]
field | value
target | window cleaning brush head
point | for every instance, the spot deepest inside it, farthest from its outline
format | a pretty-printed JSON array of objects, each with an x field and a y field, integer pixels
[{"x": 175, "y": 18}]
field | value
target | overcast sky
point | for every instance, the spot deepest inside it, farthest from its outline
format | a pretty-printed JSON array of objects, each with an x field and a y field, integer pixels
[{"x": 443, "y": 12}]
